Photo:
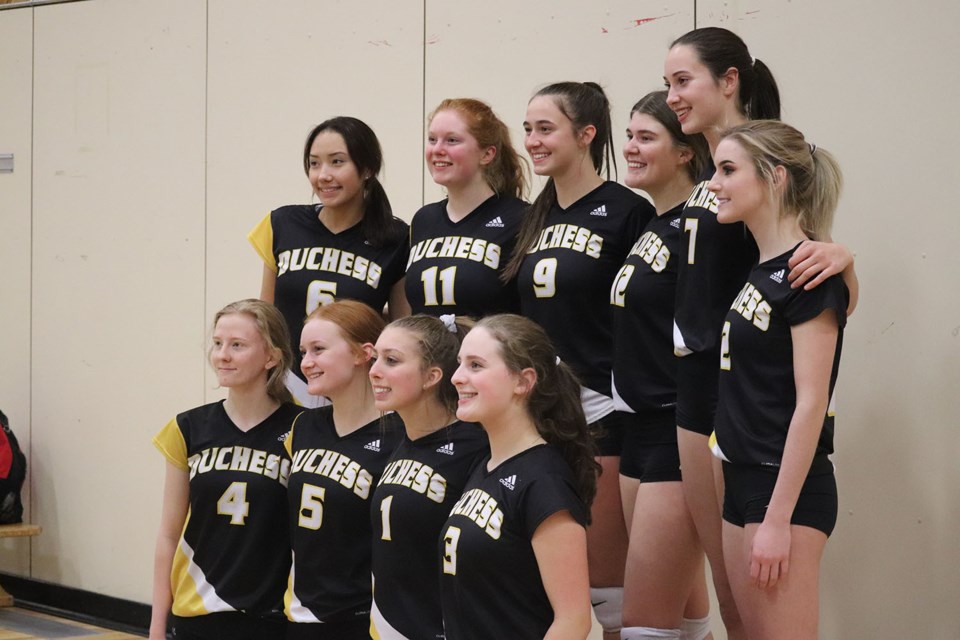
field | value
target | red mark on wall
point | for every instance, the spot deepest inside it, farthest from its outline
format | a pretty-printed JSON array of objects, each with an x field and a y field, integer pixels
[{"x": 639, "y": 22}]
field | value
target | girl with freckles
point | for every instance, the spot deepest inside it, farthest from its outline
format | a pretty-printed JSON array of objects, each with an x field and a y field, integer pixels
[
  {"x": 513, "y": 550},
  {"x": 460, "y": 245},
  {"x": 780, "y": 352},
  {"x": 338, "y": 453},
  {"x": 346, "y": 245},
  {"x": 415, "y": 358}
]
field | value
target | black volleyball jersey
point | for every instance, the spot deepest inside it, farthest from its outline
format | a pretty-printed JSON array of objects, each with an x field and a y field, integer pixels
[
  {"x": 642, "y": 299},
  {"x": 315, "y": 266},
  {"x": 234, "y": 551},
  {"x": 714, "y": 262},
  {"x": 420, "y": 484},
  {"x": 332, "y": 479},
  {"x": 454, "y": 267},
  {"x": 490, "y": 582},
  {"x": 565, "y": 278},
  {"x": 757, "y": 386}
]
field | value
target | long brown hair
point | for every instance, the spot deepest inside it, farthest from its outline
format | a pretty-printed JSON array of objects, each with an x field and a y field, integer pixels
[{"x": 554, "y": 402}]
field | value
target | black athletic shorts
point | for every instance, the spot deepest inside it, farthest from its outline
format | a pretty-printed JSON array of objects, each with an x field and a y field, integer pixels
[
  {"x": 608, "y": 434},
  {"x": 698, "y": 376},
  {"x": 357, "y": 628},
  {"x": 650, "y": 451},
  {"x": 229, "y": 624},
  {"x": 748, "y": 489}
]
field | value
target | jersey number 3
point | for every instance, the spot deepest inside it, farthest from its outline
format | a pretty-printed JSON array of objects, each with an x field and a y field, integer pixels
[{"x": 450, "y": 540}]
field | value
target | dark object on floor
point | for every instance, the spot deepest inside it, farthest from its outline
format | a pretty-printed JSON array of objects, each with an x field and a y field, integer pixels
[{"x": 13, "y": 470}]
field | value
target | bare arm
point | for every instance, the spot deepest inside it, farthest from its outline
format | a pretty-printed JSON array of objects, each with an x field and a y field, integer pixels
[
  {"x": 814, "y": 344},
  {"x": 268, "y": 285},
  {"x": 560, "y": 544},
  {"x": 176, "y": 499},
  {"x": 813, "y": 262},
  {"x": 397, "y": 305}
]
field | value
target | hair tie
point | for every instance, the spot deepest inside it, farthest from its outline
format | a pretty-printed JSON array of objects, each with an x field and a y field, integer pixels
[
  {"x": 813, "y": 148},
  {"x": 449, "y": 320},
  {"x": 558, "y": 359}
]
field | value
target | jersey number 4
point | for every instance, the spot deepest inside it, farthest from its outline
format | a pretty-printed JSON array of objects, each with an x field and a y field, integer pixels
[{"x": 234, "y": 503}]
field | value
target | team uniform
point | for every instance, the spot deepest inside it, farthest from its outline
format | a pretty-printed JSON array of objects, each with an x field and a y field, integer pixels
[
  {"x": 715, "y": 260},
  {"x": 332, "y": 480},
  {"x": 315, "y": 266},
  {"x": 644, "y": 367},
  {"x": 231, "y": 564},
  {"x": 422, "y": 481},
  {"x": 758, "y": 393},
  {"x": 490, "y": 582},
  {"x": 565, "y": 280},
  {"x": 454, "y": 267}
]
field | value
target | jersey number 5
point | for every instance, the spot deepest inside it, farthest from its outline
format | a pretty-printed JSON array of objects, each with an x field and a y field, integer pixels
[{"x": 311, "y": 507}]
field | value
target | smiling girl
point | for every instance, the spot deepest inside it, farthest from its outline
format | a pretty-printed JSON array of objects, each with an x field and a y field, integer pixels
[
  {"x": 780, "y": 352},
  {"x": 664, "y": 588},
  {"x": 714, "y": 83},
  {"x": 415, "y": 358},
  {"x": 347, "y": 246},
  {"x": 460, "y": 245},
  {"x": 338, "y": 452},
  {"x": 573, "y": 240},
  {"x": 514, "y": 556},
  {"x": 221, "y": 560}
]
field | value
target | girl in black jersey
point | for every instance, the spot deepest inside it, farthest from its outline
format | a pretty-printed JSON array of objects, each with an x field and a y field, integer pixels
[
  {"x": 338, "y": 453},
  {"x": 415, "y": 357},
  {"x": 348, "y": 245},
  {"x": 513, "y": 550},
  {"x": 714, "y": 83},
  {"x": 571, "y": 244},
  {"x": 779, "y": 355},
  {"x": 664, "y": 586},
  {"x": 223, "y": 553},
  {"x": 459, "y": 246}
]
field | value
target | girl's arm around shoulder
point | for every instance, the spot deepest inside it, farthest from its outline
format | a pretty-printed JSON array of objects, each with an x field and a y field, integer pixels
[
  {"x": 560, "y": 545},
  {"x": 814, "y": 347},
  {"x": 813, "y": 262},
  {"x": 176, "y": 499}
]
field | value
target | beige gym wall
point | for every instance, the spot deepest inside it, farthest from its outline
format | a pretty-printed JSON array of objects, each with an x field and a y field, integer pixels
[{"x": 149, "y": 138}]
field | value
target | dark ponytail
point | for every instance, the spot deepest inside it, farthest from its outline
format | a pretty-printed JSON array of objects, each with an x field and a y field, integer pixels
[
  {"x": 378, "y": 225},
  {"x": 584, "y": 104},
  {"x": 554, "y": 402},
  {"x": 720, "y": 49}
]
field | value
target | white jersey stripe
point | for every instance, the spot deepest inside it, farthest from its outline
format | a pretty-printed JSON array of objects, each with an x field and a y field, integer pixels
[{"x": 211, "y": 601}]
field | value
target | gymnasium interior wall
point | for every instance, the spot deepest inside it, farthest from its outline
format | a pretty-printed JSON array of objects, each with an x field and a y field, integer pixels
[{"x": 149, "y": 137}]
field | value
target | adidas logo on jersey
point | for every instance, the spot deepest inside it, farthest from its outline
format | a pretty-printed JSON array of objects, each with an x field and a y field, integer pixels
[
  {"x": 373, "y": 446},
  {"x": 496, "y": 222},
  {"x": 510, "y": 482},
  {"x": 778, "y": 276},
  {"x": 600, "y": 211},
  {"x": 675, "y": 223},
  {"x": 447, "y": 449}
]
